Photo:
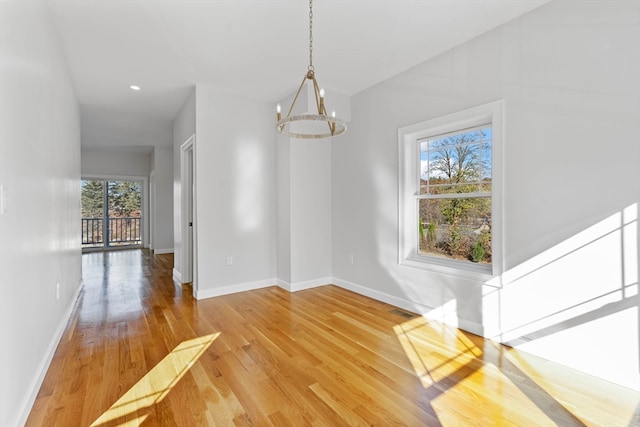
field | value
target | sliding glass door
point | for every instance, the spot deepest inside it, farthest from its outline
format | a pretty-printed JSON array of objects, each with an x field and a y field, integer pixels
[{"x": 111, "y": 213}]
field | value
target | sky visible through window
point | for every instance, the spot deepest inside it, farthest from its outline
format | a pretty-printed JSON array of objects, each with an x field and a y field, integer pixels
[{"x": 459, "y": 157}]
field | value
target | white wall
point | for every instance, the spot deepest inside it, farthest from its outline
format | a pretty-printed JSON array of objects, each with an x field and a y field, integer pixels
[
  {"x": 304, "y": 212},
  {"x": 115, "y": 162},
  {"x": 39, "y": 226},
  {"x": 283, "y": 210},
  {"x": 310, "y": 211},
  {"x": 106, "y": 128},
  {"x": 236, "y": 192},
  {"x": 184, "y": 125},
  {"x": 162, "y": 167},
  {"x": 568, "y": 74}
]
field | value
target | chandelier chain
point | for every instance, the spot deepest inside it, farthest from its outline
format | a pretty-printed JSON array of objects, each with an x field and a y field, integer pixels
[{"x": 310, "y": 68}]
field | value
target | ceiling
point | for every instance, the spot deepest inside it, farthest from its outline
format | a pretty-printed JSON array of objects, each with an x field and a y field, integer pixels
[{"x": 254, "y": 48}]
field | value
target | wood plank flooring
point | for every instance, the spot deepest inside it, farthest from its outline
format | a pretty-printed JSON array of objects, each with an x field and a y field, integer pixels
[{"x": 140, "y": 351}]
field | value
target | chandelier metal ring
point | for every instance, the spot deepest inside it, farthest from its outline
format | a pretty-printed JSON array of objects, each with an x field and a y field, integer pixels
[{"x": 337, "y": 126}]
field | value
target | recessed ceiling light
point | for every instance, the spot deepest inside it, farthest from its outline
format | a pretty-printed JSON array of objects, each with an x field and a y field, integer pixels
[{"x": 134, "y": 87}]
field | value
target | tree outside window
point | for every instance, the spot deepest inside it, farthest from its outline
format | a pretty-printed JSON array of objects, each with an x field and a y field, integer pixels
[{"x": 454, "y": 202}]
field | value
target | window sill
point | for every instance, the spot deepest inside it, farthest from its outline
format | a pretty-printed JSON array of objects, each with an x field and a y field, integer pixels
[{"x": 466, "y": 270}]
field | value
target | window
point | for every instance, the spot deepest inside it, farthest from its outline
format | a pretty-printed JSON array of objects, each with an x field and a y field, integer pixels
[
  {"x": 111, "y": 213},
  {"x": 450, "y": 193}
]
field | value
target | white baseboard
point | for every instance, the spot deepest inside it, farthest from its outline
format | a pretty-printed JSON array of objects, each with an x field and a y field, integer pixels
[
  {"x": 283, "y": 284},
  {"x": 36, "y": 382},
  {"x": 232, "y": 289},
  {"x": 249, "y": 286},
  {"x": 177, "y": 277},
  {"x": 381, "y": 296},
  {"x": 300, "y": 286},
  {"x": 163, "y": 251}
]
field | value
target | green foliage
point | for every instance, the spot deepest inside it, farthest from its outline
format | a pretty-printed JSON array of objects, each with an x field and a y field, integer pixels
[
  {"x": 124, "y": 198},
  {"x": 427, "y": 234},
  {"x": 431, "y": 234},
  {"x": 485, "y": 241},
  {"x": 455, "y": 238},
  {"x": 92, "y": 199},
  {"x": 453, "y": 210},
  {"x": 478, "y": 252}
]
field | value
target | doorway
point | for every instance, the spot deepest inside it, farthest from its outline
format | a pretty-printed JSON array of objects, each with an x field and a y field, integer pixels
[
  {"x": 188, "y": 213},
  {"x": 111, "y": 214}
]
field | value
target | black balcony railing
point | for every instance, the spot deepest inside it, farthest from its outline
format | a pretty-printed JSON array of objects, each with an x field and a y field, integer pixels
[
  {"x": 122, "y": 231},
  {"x": 92, "y": 231}
]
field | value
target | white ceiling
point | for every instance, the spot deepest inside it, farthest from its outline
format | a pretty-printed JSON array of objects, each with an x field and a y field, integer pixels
[{"x": 255, "y": 48}]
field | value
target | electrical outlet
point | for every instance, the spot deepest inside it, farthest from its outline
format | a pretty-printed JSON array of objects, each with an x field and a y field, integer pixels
[
  {"x": 229, "y": 260},
  {"x": 351, "y": 259},
  {"x": 57, "y": 291}
]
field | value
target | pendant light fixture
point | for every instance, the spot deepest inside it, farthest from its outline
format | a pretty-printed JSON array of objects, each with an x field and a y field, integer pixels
[{"x": 332, "y": 125}]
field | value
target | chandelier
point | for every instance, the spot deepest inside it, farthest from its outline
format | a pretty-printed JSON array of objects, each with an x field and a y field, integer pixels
[{"x": 320, "y": 125}]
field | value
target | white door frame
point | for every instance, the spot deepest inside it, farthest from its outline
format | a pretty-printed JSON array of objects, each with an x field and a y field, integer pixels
[
  {"x": 152, "y": 210},
  {"x": 188, "y": 211}
]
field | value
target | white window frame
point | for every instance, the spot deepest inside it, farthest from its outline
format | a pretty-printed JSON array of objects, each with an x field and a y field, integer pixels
[{"x": 409, "y": 188}]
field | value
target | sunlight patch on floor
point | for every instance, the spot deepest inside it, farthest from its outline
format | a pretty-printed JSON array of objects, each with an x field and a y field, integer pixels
[
  {"x": 447, "y": 361},
  {"x": 433, "y": 362},
  {"x": 156, "y": 384},
  {"x": 506, "y": 404}
]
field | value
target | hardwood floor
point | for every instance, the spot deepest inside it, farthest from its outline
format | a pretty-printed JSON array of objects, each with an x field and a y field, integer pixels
[{"x": 140, "y": 351}]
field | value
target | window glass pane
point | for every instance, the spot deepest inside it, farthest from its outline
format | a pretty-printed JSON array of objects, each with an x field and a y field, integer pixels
[
  {"x": 458, "y": 229},
  {"x": 485, "y": 158},
  {"x": 449, "y": 188},
  {"x": 456, "y": 163},
  {"x": 92, "y": 194},
  {"x": 92, "y": 198},
  {"x": 124, "y": 201}
]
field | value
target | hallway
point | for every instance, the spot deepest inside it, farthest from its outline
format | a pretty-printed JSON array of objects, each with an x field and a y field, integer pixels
[{"x": 140, "y": 351}]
